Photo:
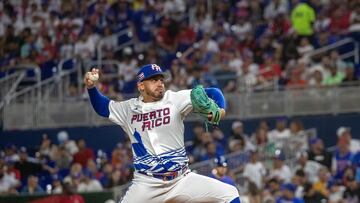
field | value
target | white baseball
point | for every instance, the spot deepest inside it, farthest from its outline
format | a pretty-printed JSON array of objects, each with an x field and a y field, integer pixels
[{"x": 94, "y": 77}]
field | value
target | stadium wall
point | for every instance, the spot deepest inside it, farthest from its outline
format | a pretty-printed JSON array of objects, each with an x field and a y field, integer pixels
[{"x": 106, "y": 137}]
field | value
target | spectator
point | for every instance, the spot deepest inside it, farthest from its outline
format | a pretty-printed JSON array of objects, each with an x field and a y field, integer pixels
[
  {"x": 56, "y": 185},
  {"x": 354, "y": 28},
  {"x": 312, "y": 196},
  {"x": 255, "y": 171},
  {"x": 299, "y": 179},
  {"x": 323, "y": 184},
  {"x": 302, "y": 18},
  {"x": 144, "y": 22},
  {"x": 167, "y": 35},
  {"x": 32, "y": 186},
  {"x": 319, "y": 154},
  {"x": 27, "y": 165},
  {"x": 11, "y": 170},
  {"x": 75, "y": 175},
  {"x": 84, "y": 154},
  {"x": 274, "y": 8},
  {"x": 107, "y": 170},
  {"x": 10, "y": 153},
  {"x": 352, "y": 192},
  {"x": 339, "y": 23},
  {"x": 260, "y": 138},
  {"x": 220, "y": 171},
  {"x": 295, "y": 79},
  {"x": 115, "y": 180},
  {"x": 127, "y": 68},
  {"x": 249, "y": 72},
  {"x": 335, "y": 77},
  {"x": 226, "y": 78},
  {"x": 272, "y": 191},
  {"x": 356, "y": 165},
  {"x": 212, "y": 150},
  {"x": 92, "y": 168},
  {"x": 219, "y": 137},
  {"x": 310, "y": 168},
  {"x": 203, "y": 22},
  {"x": 70, "y": 194},
  {"x": 89, "y": 183},
  {"x": 304, "y": 48},
  {"x": 67, "y": 47},
  {"x": 8, "y": 182},
  {"x": 70, "y": 145},
  {"x": 62, "y": 158},
  {"x": 288, "y": 195},
  {"x": 270, "y": 70},
  {"x": 45, "y": 146},
  {"x": 297, "y": 133},
  {"x": 342, "y": 158},
  {"x": 322, "y": 22},
  {"x": 345, "y": 133},
  {"x": 85, "y": 47},
  {"x": 237, "y": 134},
  {"x": 281, "y": 131},
  {"x": 350, "y": 77},
  {"x": 337, "y": 61},
  {"x": 280, "y": 170}
]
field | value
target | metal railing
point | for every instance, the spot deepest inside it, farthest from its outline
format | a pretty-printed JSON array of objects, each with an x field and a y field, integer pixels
[
  {"x": 354, "y": 53},
  {"x": 51, "y": 104},
  {"x": 6, "y": 97},
  {"x": 7, "y": 82},
  {"x": 78, "y": 112},
  {"x": 309, "y": 101}
]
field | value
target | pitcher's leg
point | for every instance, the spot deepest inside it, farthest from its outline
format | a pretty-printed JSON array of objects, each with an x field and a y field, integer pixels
[
  {"x": 198, "y": 188},
  {"x": 145, "y": 189}
]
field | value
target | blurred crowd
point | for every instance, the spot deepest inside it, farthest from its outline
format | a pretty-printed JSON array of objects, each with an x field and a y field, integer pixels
[
  {"x": 276, "y": 165},
  {"x": 47, "y": 167},
  {"x": 230, "y": 44},
  {"x": 313, "y": 175}
]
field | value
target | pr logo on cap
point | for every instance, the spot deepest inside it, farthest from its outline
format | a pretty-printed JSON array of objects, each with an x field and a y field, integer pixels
[{"x": 156, "y": 67}]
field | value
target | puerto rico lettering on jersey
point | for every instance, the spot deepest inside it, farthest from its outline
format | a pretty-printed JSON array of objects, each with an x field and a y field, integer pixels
[{"x": 152, "y": 119}]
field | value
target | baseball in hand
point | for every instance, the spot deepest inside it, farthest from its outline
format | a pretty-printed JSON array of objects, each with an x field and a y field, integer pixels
[{"x": 94, "y": 76}]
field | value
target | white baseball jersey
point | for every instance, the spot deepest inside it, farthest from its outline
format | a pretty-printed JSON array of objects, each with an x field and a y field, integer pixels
[{"x": 156, "y": 130}]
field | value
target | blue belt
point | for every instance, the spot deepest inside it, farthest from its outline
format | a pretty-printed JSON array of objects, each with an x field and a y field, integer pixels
[{"x": 166, "y": 176}]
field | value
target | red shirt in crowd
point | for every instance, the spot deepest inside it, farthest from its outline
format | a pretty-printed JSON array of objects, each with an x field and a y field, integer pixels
[
  {"x": 83, "y": 156},
  {"x": 270, "y": 71}
]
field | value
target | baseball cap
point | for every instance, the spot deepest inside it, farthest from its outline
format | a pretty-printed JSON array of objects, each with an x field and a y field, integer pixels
[
  {"x": 279, "y": 155},
  {"x": 148, "y": 71},
  {"x": 289, "y": 187},
  {"x": 220, "y": 161},
  {"x": 341, "y": 130},
  {"x": 236, "y": 124},
  {"x": 314, "y": 140}
]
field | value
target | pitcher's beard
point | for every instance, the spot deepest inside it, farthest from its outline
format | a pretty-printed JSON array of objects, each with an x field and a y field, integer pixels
[{"x": 157, "y": 95}]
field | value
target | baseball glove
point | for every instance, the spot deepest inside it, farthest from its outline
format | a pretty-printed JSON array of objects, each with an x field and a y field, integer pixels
[{"x": 205, "y": 106}]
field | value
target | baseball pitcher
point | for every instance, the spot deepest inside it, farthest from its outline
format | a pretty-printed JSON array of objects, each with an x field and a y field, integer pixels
[{"x": 154, "y": 123}]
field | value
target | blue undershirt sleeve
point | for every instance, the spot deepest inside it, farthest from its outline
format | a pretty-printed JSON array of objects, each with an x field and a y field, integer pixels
[
  {"x": 217, "y": 96},
  {"x": 99, "y": 102}
]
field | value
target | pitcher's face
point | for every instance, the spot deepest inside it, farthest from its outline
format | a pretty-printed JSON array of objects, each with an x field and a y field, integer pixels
[{"x": 152, "y": 89}]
